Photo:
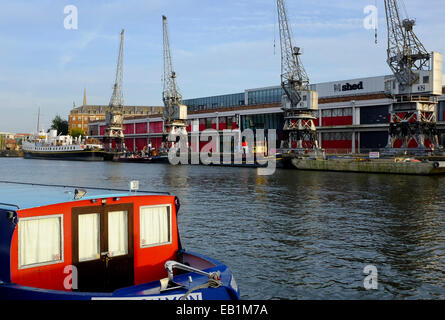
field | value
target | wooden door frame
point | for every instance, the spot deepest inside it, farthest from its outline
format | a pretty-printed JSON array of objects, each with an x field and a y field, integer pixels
[
  {"x": 130, "y": 213},
  {"x": 103, "y": 211},
  {"x": 76, "y": 211}
]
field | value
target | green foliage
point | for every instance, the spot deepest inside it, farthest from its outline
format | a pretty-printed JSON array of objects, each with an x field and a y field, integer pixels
[
  {"x": 75, "y": 132},
  {"x": 60, "y": 125}
]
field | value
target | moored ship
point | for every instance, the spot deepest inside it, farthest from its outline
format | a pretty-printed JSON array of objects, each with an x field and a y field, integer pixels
[
  {"x": 406, "y": 165},
  {"x": 61, "y": 147}
]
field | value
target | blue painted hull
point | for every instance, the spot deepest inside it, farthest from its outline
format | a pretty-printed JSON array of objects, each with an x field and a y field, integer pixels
[{"x": 148, "y": 291}]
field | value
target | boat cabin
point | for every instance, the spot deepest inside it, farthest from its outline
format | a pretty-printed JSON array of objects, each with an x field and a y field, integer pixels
[{"x": 50, "y": 236}]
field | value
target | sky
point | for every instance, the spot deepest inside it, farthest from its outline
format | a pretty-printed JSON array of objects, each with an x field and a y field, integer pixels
[{"x": 218, "y": 47}]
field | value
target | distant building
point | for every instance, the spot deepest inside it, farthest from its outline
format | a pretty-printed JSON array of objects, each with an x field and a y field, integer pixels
[
  {"x": 12, "y": 141},
  {"x": 80, "y": 117},
  {"x": 353, "y": 116}
]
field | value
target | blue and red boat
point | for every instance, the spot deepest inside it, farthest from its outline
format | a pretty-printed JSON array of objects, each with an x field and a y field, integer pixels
[{"x": 61, "y": 242}]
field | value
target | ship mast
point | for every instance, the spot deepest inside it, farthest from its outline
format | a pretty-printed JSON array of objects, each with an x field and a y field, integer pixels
[{"x": 38, "y": 121}]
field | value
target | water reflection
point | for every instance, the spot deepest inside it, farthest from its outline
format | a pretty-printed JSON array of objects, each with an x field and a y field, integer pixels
[{"x": 292, "y": 235}]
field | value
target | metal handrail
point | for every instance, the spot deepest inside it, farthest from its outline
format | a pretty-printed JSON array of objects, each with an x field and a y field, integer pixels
[
  {"x": 169, "y": 265},
  {"x": 9, "y": 205},
  {"x": 80, "y": 187}
]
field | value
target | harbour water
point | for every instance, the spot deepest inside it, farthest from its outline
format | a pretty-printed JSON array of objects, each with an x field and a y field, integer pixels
[{"x": 295, "y": 234}]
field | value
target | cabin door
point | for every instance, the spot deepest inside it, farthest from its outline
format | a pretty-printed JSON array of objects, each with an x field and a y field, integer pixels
[{"x": 103, "y": 247}]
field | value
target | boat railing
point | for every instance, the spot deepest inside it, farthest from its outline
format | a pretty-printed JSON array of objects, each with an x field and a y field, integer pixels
[
  {"x": 170, "y": 265},
  {"x": 9, "y": 205},
  {"x": 213, "y": 281},
  {"x": 83, "y": 187}
]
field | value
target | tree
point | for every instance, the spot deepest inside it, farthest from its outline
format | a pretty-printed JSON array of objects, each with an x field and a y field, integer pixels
[
  {"x": 60, "y": 125},
  {"x": 2, "y": 142},
  {"x": 75, "y": 132}
]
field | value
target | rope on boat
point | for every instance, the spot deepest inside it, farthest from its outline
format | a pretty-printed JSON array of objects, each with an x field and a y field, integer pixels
[{"x": 214, "y": 282}]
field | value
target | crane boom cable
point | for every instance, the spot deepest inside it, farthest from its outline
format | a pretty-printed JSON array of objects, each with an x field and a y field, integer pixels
[
  {"x": 404, "y": 9},
  {"x": 293, "y": 75},
  {"x": 171, "y": 95},
  {"x": 117, "y": 98},
  {"x": 414, "y": 85},
  {"x": 175, "y": 112},
  {"x": 114, "y": 134},
  {"x": 405, "y": 51},
  {"x": 170, "y": 86},
  {"x": 299, "y": 103}
]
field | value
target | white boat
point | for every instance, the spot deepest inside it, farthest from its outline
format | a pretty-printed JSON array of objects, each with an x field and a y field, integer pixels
[{"x": 61, "y": 147}]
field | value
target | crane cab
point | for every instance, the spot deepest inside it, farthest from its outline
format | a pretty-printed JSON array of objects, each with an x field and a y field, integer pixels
[
  {"x": 309, "y": 101},
  {"x": 429, "y": 82}
]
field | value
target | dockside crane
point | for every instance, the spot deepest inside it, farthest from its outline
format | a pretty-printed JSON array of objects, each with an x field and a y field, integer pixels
[
  {"x": 415, "y": 86},
  {"x": 175, "y": 112},
  {"x": 299, "y": 102},
  {"x": 114, "y": 132}
]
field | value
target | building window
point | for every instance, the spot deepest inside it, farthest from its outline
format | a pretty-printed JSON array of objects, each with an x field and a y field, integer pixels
[
  {"x": 325, "y": 136},
  {"x": 336, "y": 113},
  {"x": 229, "y": 123},
  {"x": 441, "y": 110},
  {"x": 40, "y": 241},
  {"x": 327, "y": 113},
  {"x": 347, "y": 112},
  {"x": 155, "y": 225}
]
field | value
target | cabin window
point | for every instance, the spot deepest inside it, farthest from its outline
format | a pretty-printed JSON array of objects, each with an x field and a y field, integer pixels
[
  {"x": 89, "y": 237},
  {"x": 40, "y": 241},
  {"x": 117, "y": 233},
  {"x": 155, "y": 224}
]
